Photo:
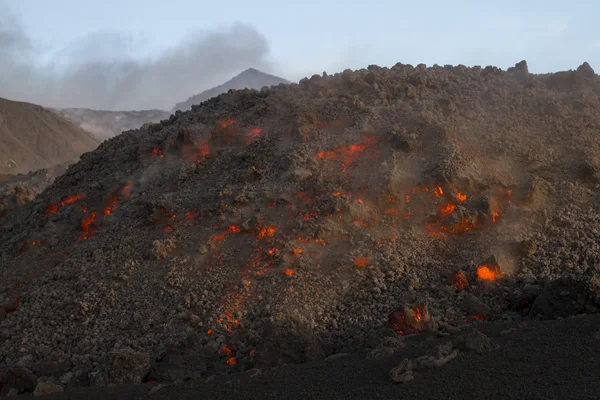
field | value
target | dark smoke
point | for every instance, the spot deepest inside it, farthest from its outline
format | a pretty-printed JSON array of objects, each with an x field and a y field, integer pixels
[{"x": 99, "y": 72}]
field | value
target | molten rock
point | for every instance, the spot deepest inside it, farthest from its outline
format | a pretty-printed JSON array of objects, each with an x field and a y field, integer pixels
[{"x": 410, "y": 320}]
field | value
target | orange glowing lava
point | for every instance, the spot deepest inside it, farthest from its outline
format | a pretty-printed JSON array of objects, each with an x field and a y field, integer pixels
[
  {"x": 489, "y": 273},
  {"x": 267, "y": 231},
  {"x": 297, "y": 251},
  {"x": 72, "y": 199},
  {"x": 85, "y": 226},
  {"x": 347, "y": 154},
  {"x": 203, "y": 150},
  {"x": 126, "y": 191},
  {"x": 289, "y": 272},
  {"x": 361, "y": 262},
  {"x": 225, "y": 351},
  {"x": 495, "y": 215},
  {"x": 438, "y": 192},
  {"x": 219, "y": 237},
  {"x": 461, "y": 282},
  {"x": 448, "y": 209},
  {"x": 461, "y": 197},
  {"x": 226, "y": 122},
  {"x": 52, "y": 209},
  {"x": 112, "y": 202},
  {"x": 234, "y": 228},
  {"x": 157, "y": 152},
  {"x": 231, "y": 361},
  {"x": 252, "y": 135}
]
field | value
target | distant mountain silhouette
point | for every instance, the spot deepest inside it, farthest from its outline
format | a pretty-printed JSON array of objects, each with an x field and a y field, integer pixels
[
  {"x": 249, "y": 79},
  {"x": 106, "y": 124},
  {"x": 33, "y": 137}
]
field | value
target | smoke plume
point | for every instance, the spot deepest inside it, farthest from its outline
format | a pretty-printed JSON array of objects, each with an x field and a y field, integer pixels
[{"x": 99, "y": 72}]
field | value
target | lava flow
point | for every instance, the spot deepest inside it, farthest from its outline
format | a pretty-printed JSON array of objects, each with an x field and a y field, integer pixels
[
  {"x": 53, "y": 208},
  {"x": 489, "y": 272},
  {"x": 347, "y": 154},
  {"x": 88, "y": 231}
]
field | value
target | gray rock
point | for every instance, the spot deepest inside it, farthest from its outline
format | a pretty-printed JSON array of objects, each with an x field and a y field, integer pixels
[
  {"x": 443, "y": 354},
  {"x": 126, "y": 366},
  {"x": 43, "y": 388},
  {"x": 474, "y": 341},
  {"x": 66, "y": 378},
  {"x": 20, "y": 379},
  {"x": 402, "y": 373},
  {"x": 380, "y": 353},
  {"x": 473, "y": 306}
]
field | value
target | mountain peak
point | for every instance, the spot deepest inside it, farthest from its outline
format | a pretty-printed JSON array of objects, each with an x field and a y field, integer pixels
[{"x": 250, "y": 78}]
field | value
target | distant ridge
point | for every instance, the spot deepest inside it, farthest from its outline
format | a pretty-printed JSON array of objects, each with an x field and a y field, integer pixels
[
  {"x": 249, "y": 79},
  {"x": 106, "y": 124},
  {"x": 33, "y": 137}
]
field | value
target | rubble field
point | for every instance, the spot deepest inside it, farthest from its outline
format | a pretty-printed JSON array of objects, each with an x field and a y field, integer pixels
[{"x": 294, "y": 223}]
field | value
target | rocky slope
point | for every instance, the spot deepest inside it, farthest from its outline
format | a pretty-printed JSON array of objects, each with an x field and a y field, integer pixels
[
  {"x": 32, "y": 137},
  {"x": 248, "y": 79},
  {"x": 293, "y": 223},
  {"x": 106, "y": 124}
]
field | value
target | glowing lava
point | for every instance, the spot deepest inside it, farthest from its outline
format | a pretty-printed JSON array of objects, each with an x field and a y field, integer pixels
[
  {"x": 157, "y": 152},
  {"x": 347, "y": 154},
  {"x": 361, "y": 262},
  {"x": 72, "y": 199},
  {"x": 489, "y": 273},
  {"x": 85, "y": 226},
  {"x": 252, "y": 135},
  {"x": 460, "y": 281},
  {"x": 51, "y": 209},
  {"x": 267, "y": 231}
]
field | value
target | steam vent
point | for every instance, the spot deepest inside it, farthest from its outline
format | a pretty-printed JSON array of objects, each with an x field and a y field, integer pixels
[{"x": 289, "y": 224}]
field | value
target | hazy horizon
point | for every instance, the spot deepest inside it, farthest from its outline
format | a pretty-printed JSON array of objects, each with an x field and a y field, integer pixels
[{"x": 150, "y": 55}]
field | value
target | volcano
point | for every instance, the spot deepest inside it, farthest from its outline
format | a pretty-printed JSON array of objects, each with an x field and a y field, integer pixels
[
  {"x": 289, "y": 224},
  {"x": 248, "y": 79},
  {"x": 32, "y": 137}
]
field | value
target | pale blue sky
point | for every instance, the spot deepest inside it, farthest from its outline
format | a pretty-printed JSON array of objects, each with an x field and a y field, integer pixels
[{"x": 306, "y": 37}]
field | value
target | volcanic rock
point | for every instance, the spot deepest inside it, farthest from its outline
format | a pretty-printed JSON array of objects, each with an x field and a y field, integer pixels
[
  {"x": 20, "y": 380},
  {"x": 441, "y": 355},
  {"x": 473, "y": 306},
  {"x": 586, "y": 70},
  {"x": 44, "y": 388},
  {"x": 402, "y": 373},
  {"x": 250, "y": 79},
  {"x": 474, "y": 341},
  {"x": 178, "y": 365},
  {"x": 520, "y": 67},
  {"x": 563, "y": 297},
  {"x": 126, "y": 366},
  {"x": 538, "y": 193},
  {"x": 278, "y": 267},
  {"x": 409, "y": 320}
]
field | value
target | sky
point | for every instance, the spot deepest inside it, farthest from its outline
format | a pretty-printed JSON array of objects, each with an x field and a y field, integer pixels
[{"x": 137, "y": 54}]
